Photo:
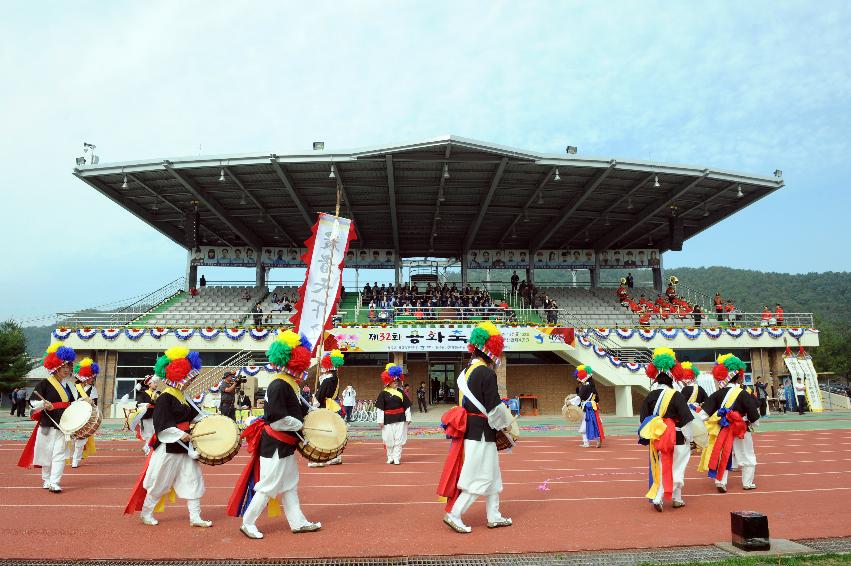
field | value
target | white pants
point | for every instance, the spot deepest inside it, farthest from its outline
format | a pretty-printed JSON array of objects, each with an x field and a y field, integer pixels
[
  {"x": 173, "y": 470},
  {"x": 79, "y": 444},
  {"x": 480, "y": 475},
  {"x": 466, "y": 499},
  {"x": 682, "y": 453},
  {"x": 277, "y": 476},
  {"x": 147, "y": 431},
  {"x": 745, "y": 459},
  {"x": 395, "y": 436},
  {"x": 50, "y": 452}
]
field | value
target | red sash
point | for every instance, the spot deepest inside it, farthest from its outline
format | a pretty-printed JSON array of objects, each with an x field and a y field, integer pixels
[
  {"x": 26, "y": 459},
  {"x": 454, "y": 422},
  {"x": 137, "y": 497},
  {"x": 665, "y": 445},
  {"x": 243, "y": 491},
  {"x": 723, "y": 447},
  {"x": 398, "y": 411}
]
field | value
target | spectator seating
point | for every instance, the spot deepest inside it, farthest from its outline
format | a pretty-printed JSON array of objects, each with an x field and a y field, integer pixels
[{"x": 214, "y": 306}]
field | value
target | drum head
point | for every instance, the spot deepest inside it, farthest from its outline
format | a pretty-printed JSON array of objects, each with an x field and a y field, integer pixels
[
  {"x": 574, "y": 414},
  {"x": 328, "y": 421},
  {"x": 220, "y": 443},
  {"x": 76, "y": 416},
  {"x": 699, "y": 433},
  {"x": 514, "y": 430}
]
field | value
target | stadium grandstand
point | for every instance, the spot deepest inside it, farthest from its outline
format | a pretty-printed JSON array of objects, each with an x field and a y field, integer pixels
[{"x": 557, "y": 249}]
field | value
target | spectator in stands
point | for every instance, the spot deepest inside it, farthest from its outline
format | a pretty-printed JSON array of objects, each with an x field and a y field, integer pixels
[
  {"x": 203, "y": 282},
  {"x": 730, "y": 310},
  {"x": 257, "y": 311},
  {"x": 630, "y": 281},
  {"x": 766, "y": 316},
  {"x": 372, "y": 310},
  {"x": 246, "y": 296},
  {"x": 515, "y": 282},
  {"x": 697, "y": 313},
  {"x": 800, "y": 395},
  {"x": 286, "y": 306},
  {"x": 718, "y": 302},
  {"x": 778, "y": 315}
]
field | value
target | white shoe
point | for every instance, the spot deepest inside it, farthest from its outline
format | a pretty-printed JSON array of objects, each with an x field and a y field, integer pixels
[
  {"x": 199, "y": 522},
  {"x": 336, "y": 461},
  {"x": 315, "y": 465},
  {"x": 308, "y": 528},
  {"x": 586, "y": 445},
  {"x": 502, "y": 522},
  {"x": 749, "y": 487},
  {"x": 389, "y": 461},
  {"x": 250, "y": 531},
  {"x": 396, "y": 462},
  {"x": 45, "y": 485},
  {"x": 75, "y": 464},
  {"x": 456, "y": 524},
  {"x": 146, "y": 520},
  {"x": 54, "y": 488}
]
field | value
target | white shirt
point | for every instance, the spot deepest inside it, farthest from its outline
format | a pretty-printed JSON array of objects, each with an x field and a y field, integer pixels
[
  {"x": 349, "y": 396},
  {"x": 800, "y": 389}
]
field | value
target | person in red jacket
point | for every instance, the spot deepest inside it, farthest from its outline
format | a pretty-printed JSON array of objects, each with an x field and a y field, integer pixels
[
  {"x": 766, "y": 315},
  {"x": 778, "y": 315}
]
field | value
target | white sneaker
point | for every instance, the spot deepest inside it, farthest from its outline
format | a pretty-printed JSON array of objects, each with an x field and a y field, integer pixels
[
  {"x": 75, "y": 464},
  {"x": 336, "y": 461},
  {"x": 149, "y": 520},
  {"x": 199, "y": 522},
  {"x": 315, "y": 465},
  {"x": 502, "y": 522},
  {"x": 250, "y": 531},
  {"x": 54, "y": 488},
  {"x": 45, "y": 484},
  {"x": 308, "y": 528},
  {"x": 389, "y": 461},
  {"x": 456, "y": 524},
  {"x": 586, "y": 445}
]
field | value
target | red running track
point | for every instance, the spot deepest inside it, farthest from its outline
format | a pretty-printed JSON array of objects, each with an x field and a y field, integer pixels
[{"x": 594, "y": 501}]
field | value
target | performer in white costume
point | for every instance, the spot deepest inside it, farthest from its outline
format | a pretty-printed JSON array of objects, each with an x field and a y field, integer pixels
[
  {"x": 47, "y": 446},
  {"x": 326, "y": 394},
  {"x": 472, "y": 467},
  {"x": 173, "y": 463},
  {"x": 272, "y": 469},
  {"x": 86, "y": 371},
  {"x": 393, "y": 413},
  {"x": 146, "y": 396}
]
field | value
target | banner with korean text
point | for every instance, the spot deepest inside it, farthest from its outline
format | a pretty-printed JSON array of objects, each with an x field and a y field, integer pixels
[{"x": 446, "y": 339}]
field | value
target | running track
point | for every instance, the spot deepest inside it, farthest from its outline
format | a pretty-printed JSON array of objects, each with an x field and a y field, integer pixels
[{"x": 368, "y": 508}]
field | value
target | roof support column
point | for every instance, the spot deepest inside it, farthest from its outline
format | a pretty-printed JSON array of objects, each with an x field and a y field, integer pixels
[
  {"x": 259, "y": 269},
  {"x": 464, "y": 268},
  {"x": 391, "y": 195}
]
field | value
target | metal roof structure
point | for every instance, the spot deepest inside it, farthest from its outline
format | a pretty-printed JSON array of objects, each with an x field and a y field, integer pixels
[{"x": 435, "y": 197}]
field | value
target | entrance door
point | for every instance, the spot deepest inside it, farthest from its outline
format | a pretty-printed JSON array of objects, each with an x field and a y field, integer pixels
[{"x": 442, "y": 378}]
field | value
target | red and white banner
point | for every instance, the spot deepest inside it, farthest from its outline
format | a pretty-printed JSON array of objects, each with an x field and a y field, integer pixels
[{"x": 318, "y": 296}]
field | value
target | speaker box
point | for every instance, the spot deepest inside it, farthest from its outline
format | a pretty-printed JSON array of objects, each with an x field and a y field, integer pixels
[{"x": 677, "y": 233}]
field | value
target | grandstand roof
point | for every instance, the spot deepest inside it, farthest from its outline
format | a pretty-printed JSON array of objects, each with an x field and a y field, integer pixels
[{"x": 434, "y": 197}]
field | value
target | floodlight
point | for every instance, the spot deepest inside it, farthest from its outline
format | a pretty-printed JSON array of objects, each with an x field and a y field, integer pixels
[
  {"x": 571, "y": 149},
  {"x": 739, "y": 193},
  {"x": 318, "y": 146},
  {"x": 556, "y": 177},
  {"x": 445, "y": 170},
  {"x": 332, "y": 175},
  {"x": 540, "y": 197},
  {"x": 525, "y": 215},
  {"x": 629, "y": 203},
  {"x": 124, "y": 184},
  {"x": 242, "y": 200},
  {"x": 80, "y": 161},
  {"x": 778, "y": 173},
  {"x": 221, "y": 175},
  {"x": 649, "y": 241},
  {"x": 440, "y": 196},
  {"x": 656, "y": 183},
  {"x": 705, "y": 210},
  {"x": 95, "y": 159}
]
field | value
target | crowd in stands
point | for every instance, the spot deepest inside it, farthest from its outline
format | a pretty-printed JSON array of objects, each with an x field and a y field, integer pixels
[
  {"x": 386, "y": 301},
  {"x": 533, "y": 298},
  {"x": 664, "y": 308}
]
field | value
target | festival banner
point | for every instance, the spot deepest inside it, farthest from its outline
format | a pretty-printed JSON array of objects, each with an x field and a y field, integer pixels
[
  {"x": 373, "y": 258},
  {"x": 445, "y": 339},
  {"x": 325, "y": 257}
]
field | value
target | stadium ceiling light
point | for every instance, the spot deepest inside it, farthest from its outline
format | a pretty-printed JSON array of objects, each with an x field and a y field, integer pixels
[
  {"x": 587, "y": 237},
  {"x": 221, "y": 175},
  {"x": 445, "y": 170},
  {"x": 156, "y": 204},
  {"x": 440, "y": 196},
  {"x": 705, "y": 210},
  {"x": 540, "y": 197},
  {"x": 656, "y": 183},
  {"x": 261, "y": 220},
  {"x": 513, "y": 233},
  {"x": 739, "y": 193},
  {"x": 525, "y": 215},
  {"x": 332, "y": 175},
  {"x": 437, "y": 215},
  {"x": 650, "y": 241},
  {"x": 629, "y": 203},
  {"x": 556, "y": 177},
  {"x": 124, "y": 185},
  {"x": 242, "y": 199},
  {"x": 608, "y": 223}
]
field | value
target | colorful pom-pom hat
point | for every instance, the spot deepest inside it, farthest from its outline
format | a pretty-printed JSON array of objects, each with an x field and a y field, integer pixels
[
  {"x": 487, "y": 340},
  {"x": 86, "y": 370},
  {"x": 58, "y": 355},
  {"x": 392, "y": 373},
  {"x": 583, "y": 372},
  {"x": 332, "y": 360},
  {"x": 664, "y": 361},
  {"x": 685, "y": 373},
  {"x": 727, "y": 367},
  {"x": 290, "y": 353},
  {"x": 178, "y": 367}
]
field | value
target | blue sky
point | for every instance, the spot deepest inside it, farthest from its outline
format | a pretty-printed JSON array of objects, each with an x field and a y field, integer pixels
[{"x": 750, "y": 86}]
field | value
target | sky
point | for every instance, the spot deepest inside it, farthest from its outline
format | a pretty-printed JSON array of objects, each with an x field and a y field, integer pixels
[{"x": 747, "y": 86}]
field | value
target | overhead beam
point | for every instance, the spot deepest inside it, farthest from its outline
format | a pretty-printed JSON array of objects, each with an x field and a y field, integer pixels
[
  {"x": 214, "y": 206},
  {"x": 170, "y": 204},
  {"x": 441, "y": 188},
  {"x": 568, "y": 210},
  {"x": 648, "y": 212},
  {"x": 529, "y": 203},
  {"x": 634, "y": 189},
  {"x": 134, "y": 209},
  {"x": 256, "y": 202},
  {"x": 635, "y": 241},
  {"x": 341, "y": 185},
  {"x": 483, "y": 207},
  {"x": 288, "y": 185},
  {"x": 391, "y": 195}
]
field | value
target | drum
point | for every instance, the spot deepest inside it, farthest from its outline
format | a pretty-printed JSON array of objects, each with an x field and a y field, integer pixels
[
  {"x": 571, "y": 412},
  {"x": 325, "y": 436},
  {"x": 508, "y": 438},
  {"x": 700, "y": 437},
  {"x": 81, "y": 419},
  {"x": 216, "y": 439}
]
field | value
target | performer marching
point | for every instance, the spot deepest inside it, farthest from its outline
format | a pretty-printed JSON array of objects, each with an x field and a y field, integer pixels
[
  {"x": 146, "y": 396},
  {"x": 272, "y": 469},
  {"x": 47, "y": 447},
  {"x": 685, "y": 375},
  {"x": 665, "y": 419},
  {"x": 393, "y": 413},
  {"x": 172, "y": 465},
  {"x": 326, "y": 393},
  {"x": 591, "y": 426},
  {"x": 86, "y": 372},
  {"x": 472, "y": 466},
  {"x": 730, "y": 414}
]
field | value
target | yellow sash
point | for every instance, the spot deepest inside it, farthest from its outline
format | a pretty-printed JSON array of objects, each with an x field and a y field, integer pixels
[
  {"x": 693, "y": 397},
  {"x": 652, "y": 431},
  {"x": 395, "y": 392},
  {"x": 63, "y": 394},
  {"x": 81, "y": 390},
  {"x": 477, "y": 362},
  {"x": 713, "y": 428},
  {"x": 331, "y": 402},
  {"x": 177, "y": 394}
]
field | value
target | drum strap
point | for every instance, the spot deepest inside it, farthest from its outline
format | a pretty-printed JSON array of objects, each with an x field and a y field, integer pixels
[
  {"x": 693, "y": 397},
  {"x": 281, "y": 435},
  {"x": 60, "y": 390},
  {"x": 81, "y": 390}
]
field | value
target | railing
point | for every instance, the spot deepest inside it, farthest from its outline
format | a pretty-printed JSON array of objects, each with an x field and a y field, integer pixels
[
  {"x": 167, "y": 319},
  {"x": 213, "y": 375},
  {"x": 444, "y": 314},
  {"x": 694, "y": 296},
  {"x": 610, "y": 345},
  {"x": 125, "y": 315}
]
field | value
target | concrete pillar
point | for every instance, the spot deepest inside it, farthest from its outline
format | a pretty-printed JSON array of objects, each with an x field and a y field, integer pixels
[
  {"x": 398, "y": 268},
  {"x": 657, "y": 280},
  {"x": 594, "y": 273},
  {"x": 191, "y": 277},
  {"x": 464, "y": 268},
  {"x": 259, "y": 270},
  {"x": 623, "y": 401},
  {"x": 502, "y": 377},
  {"x": 399, "y": 358}
]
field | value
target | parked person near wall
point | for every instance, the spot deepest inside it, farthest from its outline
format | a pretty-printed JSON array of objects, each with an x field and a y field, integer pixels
[
  {"x": 762, "y": 396},
  {"x": 421, "y": 398},
  {"x": 801, "y": 395}
]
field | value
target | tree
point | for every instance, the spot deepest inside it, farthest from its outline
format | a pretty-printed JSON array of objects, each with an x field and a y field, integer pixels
[{"x": 14, "y": 361}]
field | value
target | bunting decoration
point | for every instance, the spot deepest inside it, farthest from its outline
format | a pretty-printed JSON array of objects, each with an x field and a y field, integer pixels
[
  {"x": 62, "y": 333},
  {"x": 184, "y": 333},
  {"x": 135, "y": 333},
  {"x": 86, "y": 333},
  {"x": 111, "y": 333}
]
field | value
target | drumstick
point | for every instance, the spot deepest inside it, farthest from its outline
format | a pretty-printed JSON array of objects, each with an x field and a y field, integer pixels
[
  {"x": 200, "y": 434},
  {"x": 316, "y": 428},
  {"x": 62, "y": 430}
]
